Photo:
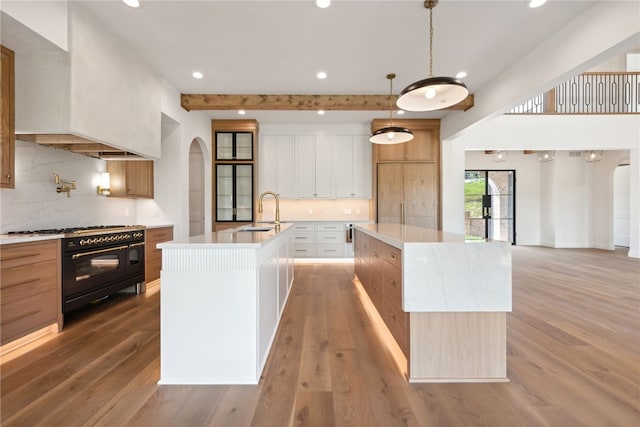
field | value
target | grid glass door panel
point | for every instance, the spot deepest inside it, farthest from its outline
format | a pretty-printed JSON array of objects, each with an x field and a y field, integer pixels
[
  {"x": 490, "y": 204},
  {"x": 234, "y": 145},
  {"x": 224, "y": 145},
  {"x": 234, "y": 192},
  {"x": 244, "y": 146}
]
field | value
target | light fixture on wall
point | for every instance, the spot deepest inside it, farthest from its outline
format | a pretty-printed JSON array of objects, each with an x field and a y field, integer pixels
[
  {"x": 391, "y": 134},
  {"x": 546, "y": 156},
  {"x": 500, "y": 156},
  {"x": 104, "y": 189},
  {"x": 592, "y": 156},
  {"x": 432, "y": 93}
]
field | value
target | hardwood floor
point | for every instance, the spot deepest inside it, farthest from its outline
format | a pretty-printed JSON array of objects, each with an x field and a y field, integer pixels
[{"x": 573, "y": 360}]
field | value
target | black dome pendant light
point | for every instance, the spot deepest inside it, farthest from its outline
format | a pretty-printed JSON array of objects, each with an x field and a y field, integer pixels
[
  {"x": 432, "y": 93},
  {"x": 391, "y": 134}
]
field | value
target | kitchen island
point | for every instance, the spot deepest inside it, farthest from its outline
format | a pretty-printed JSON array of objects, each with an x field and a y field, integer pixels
[
  {"x": 222, "y": 297},
  {"x": 443, "y": 299}
]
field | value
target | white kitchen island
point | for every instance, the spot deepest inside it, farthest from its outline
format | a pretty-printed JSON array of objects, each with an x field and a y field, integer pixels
[
  {"x": 444, "y": 299},
  {"x": 222, "y": 297}
]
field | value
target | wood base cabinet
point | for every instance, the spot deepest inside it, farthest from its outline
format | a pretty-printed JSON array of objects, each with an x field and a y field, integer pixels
[
  {"x": 153, "y": 255},
  {"x": 438, "y": 346},
  {"x": 30, "y": 277}
]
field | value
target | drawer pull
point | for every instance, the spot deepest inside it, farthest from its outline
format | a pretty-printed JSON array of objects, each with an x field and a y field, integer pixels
[
  {"x": 10, "y": 258},
  {"x": 19, "y": 317},
  {"x": 375, "y": 254},
  {"x": 37, "y": 279},
  {"x": 301, "y": 238},
  {"x": 393, "y": 316},
  {"x": 393, "y": 282},
  {"x": 394, "y": 257}
]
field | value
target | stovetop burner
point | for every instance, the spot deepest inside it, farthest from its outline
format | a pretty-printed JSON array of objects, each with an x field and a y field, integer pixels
[{"x": 68, "y": 230}]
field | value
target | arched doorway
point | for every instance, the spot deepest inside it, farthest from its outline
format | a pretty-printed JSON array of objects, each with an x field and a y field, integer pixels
[{"x": 196, "y": 189}]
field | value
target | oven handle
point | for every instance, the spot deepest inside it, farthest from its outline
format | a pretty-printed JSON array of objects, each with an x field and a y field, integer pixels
[
  {"x": 133, "y": 245},
  {"x": 76, "y": 256}
]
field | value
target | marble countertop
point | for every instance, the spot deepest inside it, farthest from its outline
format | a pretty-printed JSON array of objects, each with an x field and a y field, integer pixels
[
  {"x": 399, "y": 234},
  {"x": 8, "y": 239},
  {"x": 233, "y": 237}
]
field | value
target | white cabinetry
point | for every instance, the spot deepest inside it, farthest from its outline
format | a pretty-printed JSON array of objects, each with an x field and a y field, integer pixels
[
  {"x": 320, "y": 240},
  {"x": 352, "y": 159},
  {"x": 314, "y": 167},
  {"x": 277, "y": 165}
]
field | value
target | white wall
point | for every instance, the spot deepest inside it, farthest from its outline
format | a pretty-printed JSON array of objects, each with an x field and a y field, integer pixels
[
  {"x": 47, "y": 18},
  {"x": 621, "y": 206},
  {"x": 171, "y": 203}
]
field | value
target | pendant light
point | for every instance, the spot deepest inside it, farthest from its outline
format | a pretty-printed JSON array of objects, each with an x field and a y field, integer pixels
[
  {"x": 391, "y": 134},
  {"x": 432, "y": 93}
]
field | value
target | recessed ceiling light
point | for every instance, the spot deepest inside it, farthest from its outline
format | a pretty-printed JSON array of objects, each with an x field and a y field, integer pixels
[
  {"x": 461, "y": 75},
  {"x": 400, "y": 112},
  {"x": 242, "y": 112},
  {"x": 131, "y": 3},
  {"x": 321, "y": 75},
  {"x": 320, "y": 112},
  {"x": 536, "y": 3},
  {"x": 323, "y": 4},
  {"x": 197, "y": 75}
]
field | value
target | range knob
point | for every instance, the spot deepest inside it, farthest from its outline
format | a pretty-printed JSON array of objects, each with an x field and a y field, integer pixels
[
  {"x": 112, "y": 238},
  {"x": 83, "y": 242},
  {"x": 100, "y": 239}
]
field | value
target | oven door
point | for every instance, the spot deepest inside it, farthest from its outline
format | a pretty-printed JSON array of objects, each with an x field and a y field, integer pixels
[{"x": 84, "y": 272}]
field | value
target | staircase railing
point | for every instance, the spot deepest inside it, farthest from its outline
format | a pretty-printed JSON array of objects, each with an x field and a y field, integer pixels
[{"x": 588, "y": 93}]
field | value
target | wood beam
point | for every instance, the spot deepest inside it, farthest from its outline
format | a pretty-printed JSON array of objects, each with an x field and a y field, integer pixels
[{"x": 296, "y": 102}]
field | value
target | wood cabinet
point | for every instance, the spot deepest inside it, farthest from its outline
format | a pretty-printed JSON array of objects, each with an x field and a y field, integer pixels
[
  {"x": 408, "y": 194},
  {"x": 153, "y": 255},
  {"x": 407, "y": 176},
  {"x": 235, "y": 166},
  {"x": 277, "y": 165},
  {"x": 130, "y": 178},
  {"x": 30, "y": 277},
  {"x": 352, "y": 154},
  {"x": 7, "y": 122}
]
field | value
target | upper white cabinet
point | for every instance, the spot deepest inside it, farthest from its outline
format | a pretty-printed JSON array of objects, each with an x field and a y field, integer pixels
[
  {"x": 301, "y": 162},
  {"x": 352, "y": 160},
  {"x": 314, "y": 167},
  {"x": 277, "y": 165}
]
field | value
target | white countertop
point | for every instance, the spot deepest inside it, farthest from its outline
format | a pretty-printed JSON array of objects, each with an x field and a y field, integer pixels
[
  {"x": 399, "y": 234},
  {"x": 228, "y": 238},
  {"x": 8, "y": 239}
]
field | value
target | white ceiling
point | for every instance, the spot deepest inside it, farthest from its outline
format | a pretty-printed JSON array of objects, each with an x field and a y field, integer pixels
[{"x": 277, "y": 47}]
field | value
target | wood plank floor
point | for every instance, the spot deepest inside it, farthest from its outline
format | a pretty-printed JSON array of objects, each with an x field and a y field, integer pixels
[{"x": 573, "y": 360}]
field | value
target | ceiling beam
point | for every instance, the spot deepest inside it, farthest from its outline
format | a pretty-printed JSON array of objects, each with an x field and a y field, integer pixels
[{"x": 296, "y": 102}]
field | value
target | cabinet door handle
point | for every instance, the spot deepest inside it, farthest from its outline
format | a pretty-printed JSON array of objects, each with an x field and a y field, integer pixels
[
  {"x": 8, "y": 176},
  {"x": 393, "y": 283},
  {"x": 394, "y": 257}
]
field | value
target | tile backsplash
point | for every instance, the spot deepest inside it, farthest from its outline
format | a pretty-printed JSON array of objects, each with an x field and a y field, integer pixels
[{"x": 35, "y": 204}]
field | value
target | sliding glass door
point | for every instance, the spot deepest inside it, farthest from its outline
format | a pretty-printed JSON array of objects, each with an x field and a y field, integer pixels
[{"x": 489, "y": 204}]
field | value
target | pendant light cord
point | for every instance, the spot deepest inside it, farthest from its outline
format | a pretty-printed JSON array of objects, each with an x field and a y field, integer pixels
[
  {"x": 391, "y": 98},
  {"x": 431, "y": 41}
]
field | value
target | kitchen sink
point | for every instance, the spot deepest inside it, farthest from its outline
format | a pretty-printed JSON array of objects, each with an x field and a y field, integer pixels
[{"x": 256, "y": 228}]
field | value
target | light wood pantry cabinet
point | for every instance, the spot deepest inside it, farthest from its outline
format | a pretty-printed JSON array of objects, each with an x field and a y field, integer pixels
[
  {"x": 408, "y": 194},
  {"x": 406, "y": 177},
  {"x": 30, "y": 287},
  {"x": 153, "y": 255},
  {"x": 352, "y": 154},
  {"x": 277, "y": 165},
  {"x": 7, "y": 123},
  {"x": 235, "y": 164},
  {"x": 131, "y": 178}
]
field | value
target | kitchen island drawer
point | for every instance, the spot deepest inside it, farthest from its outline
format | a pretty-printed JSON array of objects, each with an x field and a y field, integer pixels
[
  {"x": 28, "y": 253},
  {"x": 329, "y": 250},
  {"x": 303, "y": 250},
  {"x": 398, "y": 323},
  {"x": 392, "y": 284}
]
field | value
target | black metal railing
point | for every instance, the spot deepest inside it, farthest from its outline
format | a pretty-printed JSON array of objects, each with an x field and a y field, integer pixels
[{"x": 588, "y": 93}]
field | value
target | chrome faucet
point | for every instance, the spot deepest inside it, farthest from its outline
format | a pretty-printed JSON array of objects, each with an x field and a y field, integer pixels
[{"x": 275, "y": 196}]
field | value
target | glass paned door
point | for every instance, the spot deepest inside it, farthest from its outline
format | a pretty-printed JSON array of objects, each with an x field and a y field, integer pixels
[
  {"x": 234, "y": 145},
  {"x": 490, "y": 204},
  {"x": 234, "y": 192}
]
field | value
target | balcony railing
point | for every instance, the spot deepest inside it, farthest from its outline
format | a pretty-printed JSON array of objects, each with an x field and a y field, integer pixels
[{"x": 588, "y": 93}]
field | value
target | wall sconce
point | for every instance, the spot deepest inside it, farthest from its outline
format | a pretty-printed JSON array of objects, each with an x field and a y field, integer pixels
[
  {"x": 546, "y": 156},
  {"x": 104, "y": 189},
  {"x": 593, "y": 156},
  {"x": 64, "y": 185},
  {"x": 499, "y": 156}
]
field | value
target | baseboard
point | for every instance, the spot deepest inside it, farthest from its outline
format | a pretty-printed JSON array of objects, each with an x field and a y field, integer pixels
[{"x": 634, "y": 254}]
